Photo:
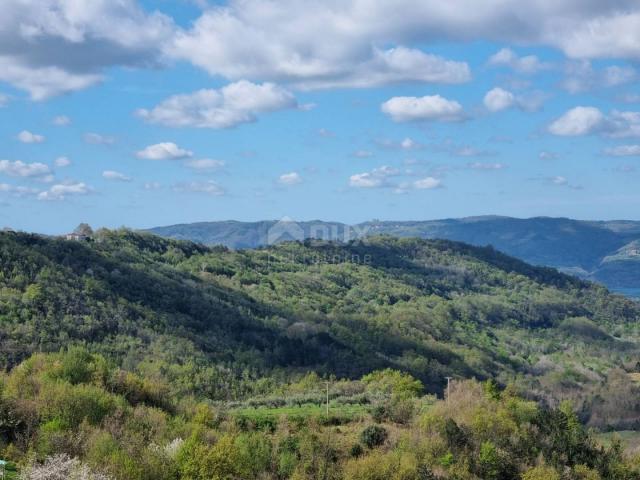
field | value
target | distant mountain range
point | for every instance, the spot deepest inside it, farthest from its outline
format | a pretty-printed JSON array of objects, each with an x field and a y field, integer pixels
[{"x": 604, "y": 251}]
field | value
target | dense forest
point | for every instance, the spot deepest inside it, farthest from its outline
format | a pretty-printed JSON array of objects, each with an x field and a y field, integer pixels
[{"x": 131, "y": 356}]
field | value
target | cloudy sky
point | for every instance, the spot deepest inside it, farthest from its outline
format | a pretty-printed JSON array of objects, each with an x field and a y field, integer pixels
[{"x": 146, "y": 113}]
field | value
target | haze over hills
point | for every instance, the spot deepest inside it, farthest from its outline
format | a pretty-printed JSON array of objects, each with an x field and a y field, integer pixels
[{"x": 603, "y": 251}]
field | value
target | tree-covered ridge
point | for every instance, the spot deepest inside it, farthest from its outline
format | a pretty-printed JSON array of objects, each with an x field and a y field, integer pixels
[
  {"x": 230, "y": 325},
  {"x": 600, "y": 251}
]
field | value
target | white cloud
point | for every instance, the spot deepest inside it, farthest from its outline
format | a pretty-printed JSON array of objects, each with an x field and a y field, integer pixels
[
  {"x": 61, "y": 191},
  {"x": 232, "y": 105},
  {"x": 378, "y": 177},
  {"x": 499, "y": 99},
  {"x": 365, "y": 180},
  {"x": 528, "y": 64},
  {"x": 291, "y": 178},
  {"x": 61, "y": 121},
  {"x": 427, "y": 108},
  {"x": 589, "y": 120},
  {"x": 578, "y": 121},
  {"x": 62, "y": 162},
  {"x": 164, "y": 151},
  {"x": 427, "y": 183},
  {"x": 26, "y": 136},
  {"x": 210, "y": 188},
  {"x": 51, "y": 47},
  {"x": 307, "y": 44},
  {"x": 387, "y": 67},
  {"x": 580, "y": 76},
  {"x": 623, "y": 124},
  {"x": 4, "y": 100},
  {"x": 337, "y": 44},
  {"x": 115, "y": 176},
  {"x": 205, "y": 164},
  {"x": 97, "y": 139},
  {"x": 18, "y": 168},
  {"x": 17, "y": 190},
  {"x": 623, "y": 151}
]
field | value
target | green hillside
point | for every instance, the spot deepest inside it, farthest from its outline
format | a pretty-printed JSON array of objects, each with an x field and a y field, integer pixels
[
  {"x": 174, "y": 360},
  {"x": 213, "y": 322},
  {"x": 581, "y": 248}
]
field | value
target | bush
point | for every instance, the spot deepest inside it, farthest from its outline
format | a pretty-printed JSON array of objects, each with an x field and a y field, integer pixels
[
  {"x": 541, "y": 473},
  {"x": 373, "y": 436}
]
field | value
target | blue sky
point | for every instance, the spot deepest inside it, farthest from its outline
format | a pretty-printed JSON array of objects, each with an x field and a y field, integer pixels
[{"x": 159, "y": 112}]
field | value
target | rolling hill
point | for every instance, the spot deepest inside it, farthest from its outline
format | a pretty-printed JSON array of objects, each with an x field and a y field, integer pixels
[
  {"x": 217, "y": 323},
  {"x": 605, "y": 252}
]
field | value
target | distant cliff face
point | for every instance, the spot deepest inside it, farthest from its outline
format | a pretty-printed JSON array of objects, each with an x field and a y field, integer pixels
[{"x": 607, "y": 252}]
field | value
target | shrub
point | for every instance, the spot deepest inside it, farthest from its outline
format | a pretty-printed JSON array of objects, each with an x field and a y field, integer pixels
[
  {"x": 541, "y": 473},
  {"x": 373, "y": 436}
]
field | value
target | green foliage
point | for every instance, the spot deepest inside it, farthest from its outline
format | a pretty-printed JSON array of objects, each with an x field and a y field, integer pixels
[
  {"x": 393, "y": 382},
  {"x": 374, "y": 436}
]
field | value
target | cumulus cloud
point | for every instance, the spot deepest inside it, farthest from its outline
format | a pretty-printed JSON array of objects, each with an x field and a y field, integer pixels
[
  {"x": 61, "y": 191},
  {"x": 205, "y": 164},
  {"x": 329, "y": 44},
  {"x": 26, "y": 136},
  {"x": 61, "y": 121},
  {"x": 291, "y": 178},
  {"x": 232, "y": 105},
  {"x": 623, "y": 151},
  {"x": 578, "y": 121},
  {"x": 580, "y": 76},
  {"x": 590, "y": 120},
  {"x": 528, "y": 64},
  {"x": 427, "y": 108},
  {"x": 97, "y": 139},
  {"x": 115, "y": 176},
  {"x": 209, "y": 188},
  {"x": 378, "y": 177},
  {"x": 427, "y": 183},
  {"x": 164, "y": 151},
  {"x": 62, "y": 162},
  {"x": 499, "y": 99},
  {"x": 39, "y": 171},
  {"x": 51, "y": 47}
]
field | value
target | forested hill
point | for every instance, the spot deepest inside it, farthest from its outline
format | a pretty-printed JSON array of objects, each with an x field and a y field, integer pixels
[
  {"x": 212, "y": 321},
  {"x": 607, "y": 252}
]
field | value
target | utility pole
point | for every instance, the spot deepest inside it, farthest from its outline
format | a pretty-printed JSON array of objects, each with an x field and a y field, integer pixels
[
  {"x": 327, "y": 399},
  {"x": 448, "y": 387}
]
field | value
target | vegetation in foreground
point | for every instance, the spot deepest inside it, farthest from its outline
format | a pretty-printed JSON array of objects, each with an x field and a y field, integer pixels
[{"x": 73, "y": 415}]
